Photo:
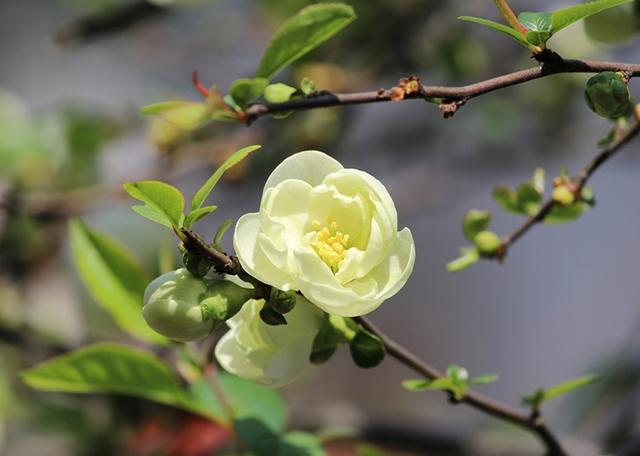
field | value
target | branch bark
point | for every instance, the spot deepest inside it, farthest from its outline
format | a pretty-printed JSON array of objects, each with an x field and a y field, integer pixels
[
  {"x": 529, "y": 422},
  {"x": 551, "y": 64}
]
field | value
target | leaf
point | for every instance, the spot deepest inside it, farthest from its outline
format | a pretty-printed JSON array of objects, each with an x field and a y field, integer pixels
[
  {"x": 428, "y": 385},
  {"x": 569, "y": 385},
  {"x": 567, "y": 16},
  {"x": 301, "y": 444},
  {"x": 529, "y": 199},
  {"x": 151, "y": 214},
  {"x": 113, "y": 278},
  {"x": 206, "y": 188},
  {"x": 188, "y": 115},
  {"x": 247, "y": 399},
  {"x": 302, "y": 33},
  {"x": 258, "y": 438},
  {"x": 507, "y": 199},
  {"x": 474, "y": 222},
  {"x": 245, "y": 90},
  {"x": 516, "y": 35},
  {"x": 484, "y": 379},
  {"x": 222, "y": 229},
  {"x": 565, "y": 214},
  {"x": 164, "y": 199},
  {"x": 197, "y": 214},
  {"x": 279, "y": 93},
  {"x": 113, "y": 368},
  {"x": 539, "y": 26},
  {"x": 469, "y": 256}
]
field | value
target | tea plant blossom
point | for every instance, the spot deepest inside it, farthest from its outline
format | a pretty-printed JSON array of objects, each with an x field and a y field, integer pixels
[
  {"x": 271, "y": 355},
  {"x": 328, "y": 232}
]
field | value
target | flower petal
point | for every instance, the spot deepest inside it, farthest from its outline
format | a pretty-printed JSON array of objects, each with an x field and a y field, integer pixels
[
  {"x": 251, "y": 256},
  {"x": 310, "y": 166}
]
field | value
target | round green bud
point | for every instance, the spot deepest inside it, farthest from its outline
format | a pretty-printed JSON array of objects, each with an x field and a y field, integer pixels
[
  {"x": 367, "y": 350},
  {"x": 607, "y": 94},
  {"x": 563, "y": 196},
  {"x": 184, "y": 308},
  {"x": 282, "y": 301},
  {"x": 195, "y": 264},
  {"x": 487, "y": 242}
]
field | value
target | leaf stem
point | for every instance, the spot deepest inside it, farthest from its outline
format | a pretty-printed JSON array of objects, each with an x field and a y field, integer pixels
[{"x": 509, "y": 16}]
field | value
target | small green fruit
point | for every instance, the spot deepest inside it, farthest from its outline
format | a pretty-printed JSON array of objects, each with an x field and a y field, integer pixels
[
  {"x": 607, "y": 94},
  {"x": 367, "y": 349},
  {"x": 487, "y": 242},
  {"x": 563, "y": 196}
]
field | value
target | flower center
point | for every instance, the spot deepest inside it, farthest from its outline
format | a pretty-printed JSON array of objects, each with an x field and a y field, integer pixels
[{"x": 330, "y": 244}]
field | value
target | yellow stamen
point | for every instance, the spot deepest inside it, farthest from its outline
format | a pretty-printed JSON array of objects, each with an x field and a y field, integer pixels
[{"x": 330, "y": 244}]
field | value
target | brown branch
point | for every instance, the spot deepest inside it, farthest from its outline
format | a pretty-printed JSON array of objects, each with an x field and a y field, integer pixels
[
  {"x": 533, "y": 424},
  {"x": 552, "y": 64},
  {"x": 578, "y": 181}
]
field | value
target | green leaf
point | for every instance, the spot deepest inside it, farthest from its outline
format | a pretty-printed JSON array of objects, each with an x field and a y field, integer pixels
[
  {"x": 539, "y": 26},
  {"x": 164, "y": 199},
  {"x": 515, "y": 34},
  {"x": 113, "y": 368},
  {"x": 308, "y": 86},
  {"x": 529, "y": 199},
  {"x": 428, "y": 385},
  {"x": 570, "y": 385},
  {"x": 217, "y": 239},
  {"x": 245, "y": 90},
  {"x": 114, "y": 279},
  {"x": 469, "y": 257},
  {"x": 256, "y": 437},
  {"x": 565, "y": 214},
  {"x": 279, "y": 93},
  {"x": 151, "y": 214},
  {"x": 302, "y": 33},
  {"x": 484, "y": 379},
  {"x": 197, "y": 214},
  {"x": 474, "y": 222},
  {"x": 567, "y": 16},
  {"x": 188, "y": 115},
  {"x": 538, "y": 180},
  {"x": 507, "y": 199},
  {"x": 247, "y": 399},
  {"x": 207, "y": 187},
  {"x": 301, "y": 444},
  {"x": 534, "y": 399}
]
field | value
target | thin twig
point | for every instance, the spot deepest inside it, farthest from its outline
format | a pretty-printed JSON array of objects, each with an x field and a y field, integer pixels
[
  {"x": 578, "y": 181},
  {"x": 552, "y": 64},
  {"x": 483, "y": 403}
]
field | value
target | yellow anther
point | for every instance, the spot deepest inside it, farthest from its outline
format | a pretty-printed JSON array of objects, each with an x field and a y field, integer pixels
[{"x": 330, "y": 244}]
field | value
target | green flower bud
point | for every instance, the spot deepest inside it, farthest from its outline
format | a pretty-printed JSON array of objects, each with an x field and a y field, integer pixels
[
  {"x": 563, "y": 196},
  {"x": 367, "y": 350},
  {"x": 195, "y": 264},
  {"x": 282, "y": 301},
  {"x": 487, "y": 242},
  {"x": 183, "y": 307},
  {"x": 474, "y": 222},
  {"x": 607, "y": 94}
]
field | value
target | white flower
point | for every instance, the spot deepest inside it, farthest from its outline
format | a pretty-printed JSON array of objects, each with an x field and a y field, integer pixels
[
  {"x": 271, "y": 355},
  {"x": 329, "y": 232}
]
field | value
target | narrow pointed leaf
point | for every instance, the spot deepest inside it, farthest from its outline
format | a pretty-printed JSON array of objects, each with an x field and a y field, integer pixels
[
  {"x": 516, "y": 35},
  {"x": 114, "y": 279},
  {"x": 569, "y": 386},
  {"x": 302, "y": 33},
  {"x": 234, "y": 159},
  {"x": 197, "y": 214},
  {"x": 217, "y": 240},
  {"x": 188, "y": 115}
]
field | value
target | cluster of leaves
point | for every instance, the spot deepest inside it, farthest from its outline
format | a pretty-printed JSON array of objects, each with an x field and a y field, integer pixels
[
  {"x": 456, "y": 381},
  {"x": 298, "y": 36},
  {"x": 534, "y": 29},
  {"x": 525, "y": 200}
]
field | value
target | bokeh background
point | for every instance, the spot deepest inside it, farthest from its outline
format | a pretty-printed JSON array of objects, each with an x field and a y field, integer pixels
[{"x": 565, "y": 303}]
